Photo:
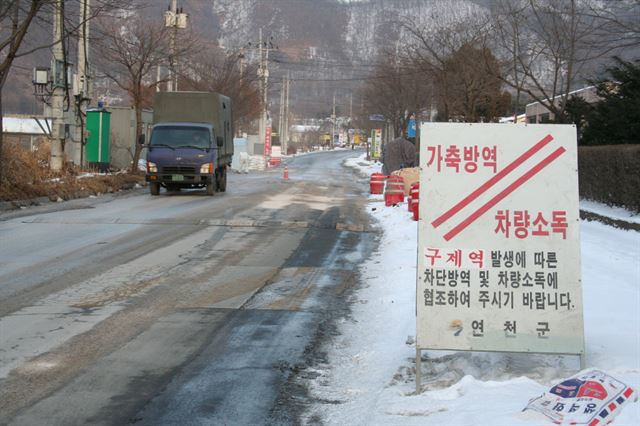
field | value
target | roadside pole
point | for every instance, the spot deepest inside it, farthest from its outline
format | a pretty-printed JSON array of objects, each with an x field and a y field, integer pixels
[
  {"x": 333, "y": 120},
  {"x": 174, "y": 20},
  {"x": 84, "y": 85},
  {"x": 263, "y": 121},
  {"x": 286, "y": 115},
  {"x": 57, "y": 96},
  {"x": 281, "y": 115},
  {"x": 172, "y": 46}
]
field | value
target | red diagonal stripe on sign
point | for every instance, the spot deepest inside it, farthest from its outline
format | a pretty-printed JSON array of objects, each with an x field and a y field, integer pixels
[
  {"x": 495, "y": 179},
  {"x": 508, "y": 190}
]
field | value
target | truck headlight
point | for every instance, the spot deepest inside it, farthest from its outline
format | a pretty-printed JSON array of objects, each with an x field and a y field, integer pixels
[
  {"x": 206, "y": 169},
  {"x": 151, "y": 167}
]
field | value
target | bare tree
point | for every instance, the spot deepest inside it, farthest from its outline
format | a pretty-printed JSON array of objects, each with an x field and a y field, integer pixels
[
  {"x": 15, "y": 19},
  {"x": 547, "y": 46},
  {"x": 214, "y": 70},
  {"x": 509, "y": 27},
  {"x": 20, "y": 22},
  {"x": 431, "y": 43},
  {"x": 130, "y": 48},
  {"x": 618, "y": 24},
  {"x": 396, "y": 90},
  {"x": 474, "y": 93}
]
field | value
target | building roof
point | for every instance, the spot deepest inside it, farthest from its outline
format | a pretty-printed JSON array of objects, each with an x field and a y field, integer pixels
[
  {"x": 24, "y": 125},
  {"x": 522, "y": 118},
  {"x": 574, "y": 92},
  {"x": 304, "y": 128}
]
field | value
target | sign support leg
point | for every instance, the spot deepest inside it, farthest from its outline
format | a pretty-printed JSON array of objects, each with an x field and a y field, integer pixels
[
  {"x": 583, "y": 361},
  {"x": 418, "y": 370}
]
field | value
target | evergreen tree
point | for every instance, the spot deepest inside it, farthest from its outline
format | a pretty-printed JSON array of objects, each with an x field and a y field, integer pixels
[
  {"x": 579, "y": 112},
  {"x": 616, "y": 118}
]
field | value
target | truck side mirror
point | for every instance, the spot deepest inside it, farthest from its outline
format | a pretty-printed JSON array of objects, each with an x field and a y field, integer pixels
[
  {"x": 219, "y": 141},
  {"x": 141, "y": 139}
]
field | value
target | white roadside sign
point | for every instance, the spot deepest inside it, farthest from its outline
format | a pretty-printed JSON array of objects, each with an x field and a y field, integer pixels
[{"x": 498, "y": 251}]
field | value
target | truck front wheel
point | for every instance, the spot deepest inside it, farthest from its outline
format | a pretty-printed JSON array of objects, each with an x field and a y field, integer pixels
[
  {"x": 155, "y": 188},
  {"x": 211, "y": 189},
  {"x": 222, "y": 179}
]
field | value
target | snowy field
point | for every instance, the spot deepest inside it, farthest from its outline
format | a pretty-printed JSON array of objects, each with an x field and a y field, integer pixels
[{"x": 370, "y": 374}]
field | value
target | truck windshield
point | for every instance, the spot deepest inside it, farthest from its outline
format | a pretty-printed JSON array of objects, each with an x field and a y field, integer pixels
[{"x": 179, "y": 136}]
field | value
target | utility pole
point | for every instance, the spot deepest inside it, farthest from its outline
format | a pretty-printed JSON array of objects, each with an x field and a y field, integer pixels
[
  {"x": 242, "y": 58},
  {"x": 84, "y": 84},
  {"x": 351, "y": 106},
  {"x": 282, "y": 112},
  {"x": 286, "y": 115},
  {"x": 59, "y": 88},
  {"x": 172, "y": 45},
  {"x": 174, "y": 19},
  {"x": 263, "y": 72},
  {"x": 263, "y": 94},
  {"x": 241, "y": 89},
  {"x": 349, "y": 139},
  {"x": 333, "y": 120}
]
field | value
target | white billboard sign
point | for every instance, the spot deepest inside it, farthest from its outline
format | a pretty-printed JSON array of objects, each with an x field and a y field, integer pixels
[{"x": 499, "y": 253}]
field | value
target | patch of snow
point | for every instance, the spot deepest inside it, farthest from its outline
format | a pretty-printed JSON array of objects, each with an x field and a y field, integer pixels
[
  {"x": 363, "y": 166},
  {"x": 370, "y": 374},
  {"x": 316, "y": 150},
  {"x": 618, "y": 213},
  {"x": 89, "y": 175}
]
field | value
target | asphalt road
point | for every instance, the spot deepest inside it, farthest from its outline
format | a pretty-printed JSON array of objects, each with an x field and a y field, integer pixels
[{"x": 178, "y": 309}]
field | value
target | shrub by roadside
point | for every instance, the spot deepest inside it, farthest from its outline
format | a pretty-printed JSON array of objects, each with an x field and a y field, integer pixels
[
  {"x": 610, "y": 174},
  {"x": 26, "y": 175}
]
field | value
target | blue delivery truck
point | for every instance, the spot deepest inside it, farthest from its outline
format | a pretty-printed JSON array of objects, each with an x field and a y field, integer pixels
[{"x": 191, "y": 144}]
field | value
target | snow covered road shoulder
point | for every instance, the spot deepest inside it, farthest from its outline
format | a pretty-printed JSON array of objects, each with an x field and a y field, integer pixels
[{"x": 370, "y": 374}]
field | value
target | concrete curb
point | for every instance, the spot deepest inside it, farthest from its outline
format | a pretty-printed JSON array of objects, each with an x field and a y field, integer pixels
[{"x": 18, "y": 204}]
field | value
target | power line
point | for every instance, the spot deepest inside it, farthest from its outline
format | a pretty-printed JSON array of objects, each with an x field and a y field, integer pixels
[
  {"x": 331, "y": 63},
  {"x": 375, "y": 77}
]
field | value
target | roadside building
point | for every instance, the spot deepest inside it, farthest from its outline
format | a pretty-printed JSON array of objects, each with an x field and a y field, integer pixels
[
  {"x": 538, "y": 113},
  {"x": 25, "y": 131},
  {"x": 297, "y": 132},
  {"x": 520, "y": 119}
]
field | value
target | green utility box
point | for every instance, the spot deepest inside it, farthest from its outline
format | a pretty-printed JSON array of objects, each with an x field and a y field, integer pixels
[{"x": 97, "y": 149}]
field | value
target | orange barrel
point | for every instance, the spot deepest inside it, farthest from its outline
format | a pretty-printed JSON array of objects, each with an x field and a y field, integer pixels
[
  {"x": 394, "y": 191},
  {"x": 376, "y": 183},
  {"x": 414, "y": 195}
]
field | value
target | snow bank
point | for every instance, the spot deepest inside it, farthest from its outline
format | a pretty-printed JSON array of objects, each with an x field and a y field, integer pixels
[
  {"x": 370, "y": 374},
  {"x": 363, "y": 166},
  {"x": 618, "y": 213}
]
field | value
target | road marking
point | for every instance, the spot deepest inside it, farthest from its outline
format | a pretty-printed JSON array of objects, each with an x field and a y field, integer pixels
[{"x": 233, "y": 223}]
